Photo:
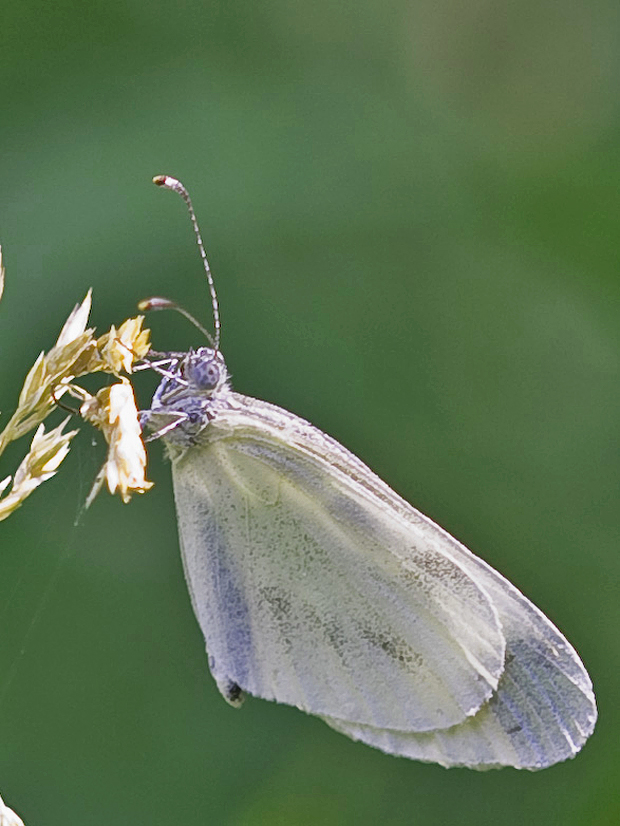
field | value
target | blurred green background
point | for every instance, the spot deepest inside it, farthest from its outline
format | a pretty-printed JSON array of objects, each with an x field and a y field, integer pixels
[{"x": 412, "y": 210}]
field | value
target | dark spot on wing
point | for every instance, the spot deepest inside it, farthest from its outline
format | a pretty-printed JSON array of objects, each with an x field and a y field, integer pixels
[
  {"x": 396, "y": 649},
  {"x": 320, "y": 623},
  {"x": 279, "y": 604}
]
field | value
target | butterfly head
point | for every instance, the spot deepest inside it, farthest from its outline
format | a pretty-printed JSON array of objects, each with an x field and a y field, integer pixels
[
  {"x": 192, "y": 382},
  {"x": 204, "y": 371}
]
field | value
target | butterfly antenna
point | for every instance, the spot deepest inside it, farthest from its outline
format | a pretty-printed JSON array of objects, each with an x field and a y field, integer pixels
[
  {"x": 168, "y": 182},
  {"x": 158, "y": 303}
]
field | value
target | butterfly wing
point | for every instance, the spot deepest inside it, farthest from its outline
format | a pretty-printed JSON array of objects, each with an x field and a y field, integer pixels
[{"x": 316, "y": 585}]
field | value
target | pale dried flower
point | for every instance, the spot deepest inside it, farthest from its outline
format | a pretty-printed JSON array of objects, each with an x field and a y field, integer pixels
[
  {"x": 77, "y": 353},
  {"x": 120, "y": 348},
  {"x": 8, "y": 816},
  {"x": 113, "y": 410}
]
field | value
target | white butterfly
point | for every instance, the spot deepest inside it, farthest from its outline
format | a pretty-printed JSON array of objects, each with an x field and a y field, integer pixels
[{"x": 316, "y": 585}]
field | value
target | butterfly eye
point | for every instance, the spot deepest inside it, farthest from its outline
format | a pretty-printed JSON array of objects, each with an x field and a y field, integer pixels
[{"x": 203, "y": 374}]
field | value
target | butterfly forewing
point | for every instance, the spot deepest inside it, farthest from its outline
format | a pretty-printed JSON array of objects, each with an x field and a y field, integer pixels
[{"x": 310, "y": 592}]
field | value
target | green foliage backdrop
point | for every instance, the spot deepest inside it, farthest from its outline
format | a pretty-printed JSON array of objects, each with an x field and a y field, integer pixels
[{"x": 412, "y": 211}]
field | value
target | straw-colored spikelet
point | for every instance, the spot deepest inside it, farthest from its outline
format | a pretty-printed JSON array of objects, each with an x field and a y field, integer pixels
[
  {"x": 78, "y": 353},
  {"x": 40, "y": 463}
]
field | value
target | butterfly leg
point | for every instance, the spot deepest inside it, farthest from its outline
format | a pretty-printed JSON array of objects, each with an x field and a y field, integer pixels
[{"x": 145, "y": 415}]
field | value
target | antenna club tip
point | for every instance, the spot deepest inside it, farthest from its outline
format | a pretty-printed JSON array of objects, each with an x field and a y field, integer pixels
[
  {"x": 168, "y": 182},
  {"x": 155, "y": 303}
]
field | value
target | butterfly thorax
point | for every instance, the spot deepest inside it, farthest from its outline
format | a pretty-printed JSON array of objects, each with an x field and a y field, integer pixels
[{"x": 192, "y": 382}]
